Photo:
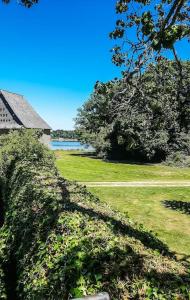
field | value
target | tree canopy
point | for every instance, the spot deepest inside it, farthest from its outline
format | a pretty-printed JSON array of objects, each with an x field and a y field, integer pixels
[
  {"x": 132, "y": 117},
  {"x": 146, "y": 27},
  {"x": 147, "y": 123}
]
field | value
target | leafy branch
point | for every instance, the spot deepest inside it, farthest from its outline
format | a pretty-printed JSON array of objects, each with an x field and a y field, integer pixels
[
  {"x": 26, "y": 3},
  {"x": 147, "y": 28}
]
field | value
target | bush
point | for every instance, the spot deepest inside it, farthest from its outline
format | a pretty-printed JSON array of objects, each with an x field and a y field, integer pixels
[
  {"x": 178, "y": 159},
  {"x": 65, "y": 243},
  {"x": 3, "y": 257}
]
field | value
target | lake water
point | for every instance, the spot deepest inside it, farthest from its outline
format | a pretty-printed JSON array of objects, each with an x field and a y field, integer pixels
[{"x": 69, "y": 145}]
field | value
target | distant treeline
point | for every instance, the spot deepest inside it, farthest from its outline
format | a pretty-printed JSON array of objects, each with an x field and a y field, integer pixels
[{"x": 64, "y": 134}]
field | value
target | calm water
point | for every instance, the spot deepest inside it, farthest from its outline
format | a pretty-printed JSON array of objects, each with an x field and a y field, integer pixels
[{"x": 69, "y": 145}]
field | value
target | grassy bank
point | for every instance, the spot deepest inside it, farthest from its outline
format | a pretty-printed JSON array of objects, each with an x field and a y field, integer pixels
[{"x": 75, "y": 165}]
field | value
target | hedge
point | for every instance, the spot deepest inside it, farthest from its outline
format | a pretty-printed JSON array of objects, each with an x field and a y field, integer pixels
[
  {"x": 63, "y": 243},
  {"x": 3, "y": 294}
]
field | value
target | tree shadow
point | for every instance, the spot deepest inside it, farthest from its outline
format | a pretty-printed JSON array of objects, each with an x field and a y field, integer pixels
[
  {"x": 125, "y": 265},
  {"x": 183, "y": 257},
  {"x": 147, "y": 238},
  {"x": 128, "y": 161},
  {"x": 121, "y": 263},
  {"x": 180, "y": 206},
  {"x": 85, "y": 154},
  {"x": 135, "y": 264}
]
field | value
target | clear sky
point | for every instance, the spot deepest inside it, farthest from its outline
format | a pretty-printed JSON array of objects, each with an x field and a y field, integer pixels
[{"x": 55, "y": 52}]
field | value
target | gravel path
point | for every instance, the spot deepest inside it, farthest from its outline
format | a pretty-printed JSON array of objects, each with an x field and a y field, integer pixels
[{"x": 138, "y": 184}]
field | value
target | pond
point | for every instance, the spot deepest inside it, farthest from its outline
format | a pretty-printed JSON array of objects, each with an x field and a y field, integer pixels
[{"x": 69, "y": 145}]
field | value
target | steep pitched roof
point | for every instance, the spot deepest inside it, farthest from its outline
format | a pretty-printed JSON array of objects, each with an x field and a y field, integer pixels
[{"x": 23, "y": 111}]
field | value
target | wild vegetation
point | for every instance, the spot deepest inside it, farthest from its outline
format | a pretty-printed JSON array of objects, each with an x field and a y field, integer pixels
[
  {"x": 59, "y": 241},
  {"x": 148, "y": 123}
]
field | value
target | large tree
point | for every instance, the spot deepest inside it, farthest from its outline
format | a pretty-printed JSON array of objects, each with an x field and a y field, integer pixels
[{"x": 146, "y": 123}]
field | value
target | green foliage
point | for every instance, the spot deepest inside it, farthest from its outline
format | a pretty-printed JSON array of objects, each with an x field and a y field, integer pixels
[
  {"x": 65, "y": 243},
  {"x": 64, "y": 134},
  {"x": 178, "y": 159},
  {"x": 145, "y": 27},
  {"x": 144, "y": 120},
  {"x": 3, "y": 260}
]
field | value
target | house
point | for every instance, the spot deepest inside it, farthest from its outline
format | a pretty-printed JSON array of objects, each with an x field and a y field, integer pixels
[{"x": 17, "y": 113}]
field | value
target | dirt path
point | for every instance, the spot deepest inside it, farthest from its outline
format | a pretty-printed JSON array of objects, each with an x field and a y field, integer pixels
[{"x": 151, "y": 183}]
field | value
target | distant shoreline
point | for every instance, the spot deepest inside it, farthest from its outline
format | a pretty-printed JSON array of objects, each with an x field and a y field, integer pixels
[{"x": 64, "y": 140}]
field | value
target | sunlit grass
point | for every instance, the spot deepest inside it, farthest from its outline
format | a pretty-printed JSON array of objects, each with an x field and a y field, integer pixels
[
  {"x": 74, "y": 166},
  {"x": 145, "y": 205}
]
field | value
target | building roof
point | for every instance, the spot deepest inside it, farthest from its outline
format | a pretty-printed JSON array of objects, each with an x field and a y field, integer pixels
[
  {"x": 10, "y": 126},
  {"x": 23, "y": 112}
]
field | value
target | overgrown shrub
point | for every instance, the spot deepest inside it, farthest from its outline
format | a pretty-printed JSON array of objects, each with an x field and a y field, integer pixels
[
  {"x": 65, "y": 243},
  {"x": 3, "y": 256},
  {"x": 178, "y": 159}
]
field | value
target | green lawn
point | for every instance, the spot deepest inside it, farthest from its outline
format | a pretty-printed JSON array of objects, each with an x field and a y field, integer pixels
[
  {"x": 74, "y": 166},
  {"x": 144, "y": 205}
]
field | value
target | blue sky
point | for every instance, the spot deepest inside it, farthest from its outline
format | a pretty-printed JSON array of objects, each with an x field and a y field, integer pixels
[{"x": 54, "y": 53}]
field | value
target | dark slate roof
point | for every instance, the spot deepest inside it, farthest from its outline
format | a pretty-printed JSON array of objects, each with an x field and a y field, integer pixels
[{"x": 27, "y": 117}]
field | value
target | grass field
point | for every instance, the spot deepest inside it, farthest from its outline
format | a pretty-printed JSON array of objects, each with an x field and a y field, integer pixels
[
  {"x": 146, "y": 206},
  {"x": 76, "y": 166},
  {"x": 143, "y": 204}
]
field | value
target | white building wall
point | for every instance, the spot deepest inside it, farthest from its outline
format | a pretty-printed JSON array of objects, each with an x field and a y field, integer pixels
[{"x": 46, "y": 138}]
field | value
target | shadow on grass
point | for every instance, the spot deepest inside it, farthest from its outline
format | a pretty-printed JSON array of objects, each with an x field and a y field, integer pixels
[
  {"x": 128, "y": 162},
  {"x": 85, "y": 154},
  {"x": 181, "y": 206},
  {"x": 184, "y": 258},
  {"x": 121, "y": 264},
  {"x": 147, "y": 238}
]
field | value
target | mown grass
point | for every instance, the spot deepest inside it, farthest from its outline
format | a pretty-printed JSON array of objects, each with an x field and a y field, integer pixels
[
  {"x": 146, "y": 205},
  {"x": 75, "y": 165}
]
